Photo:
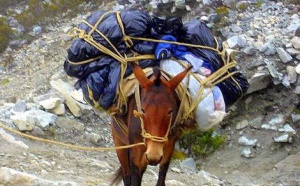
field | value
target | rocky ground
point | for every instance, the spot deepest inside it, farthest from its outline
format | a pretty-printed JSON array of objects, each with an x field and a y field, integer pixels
[{"x": 262, "y": 129}]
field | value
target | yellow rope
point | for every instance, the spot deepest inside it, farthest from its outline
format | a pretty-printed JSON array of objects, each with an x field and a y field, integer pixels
[
  {"x": 176, "y": 43},
  {"x": 121, "y": 125},
  {"x": 83, "y": 62},
  {"x": 126, "y": 39},
  {"x": 69, "y": 145}
]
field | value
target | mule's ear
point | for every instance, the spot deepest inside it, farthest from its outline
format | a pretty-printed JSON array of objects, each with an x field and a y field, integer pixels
[
  {"x": 174, "y": 82},
  {"x": 141, "y": 76}
]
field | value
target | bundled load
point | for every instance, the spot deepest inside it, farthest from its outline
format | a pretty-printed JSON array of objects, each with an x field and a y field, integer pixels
[{"x": 108, "y": 41}]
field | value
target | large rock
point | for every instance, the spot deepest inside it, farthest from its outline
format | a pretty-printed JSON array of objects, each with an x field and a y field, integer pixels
[
  {"x": 10, "y": 176},
  {"x": 259, "y": 81},
  {"x": 33, "y": 117},
  {"x": 65, "y": 89},
  {"x": 10, "y": 139},
  {"x": 23, "y": 123},
  {"x": 50, "y": 103}
]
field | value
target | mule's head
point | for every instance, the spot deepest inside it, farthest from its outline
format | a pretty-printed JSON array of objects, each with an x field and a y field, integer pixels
[{"x": 159, "y": 107}]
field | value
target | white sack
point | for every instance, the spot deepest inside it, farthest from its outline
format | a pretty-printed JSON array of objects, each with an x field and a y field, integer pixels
[{"x": 211, "y": 110}]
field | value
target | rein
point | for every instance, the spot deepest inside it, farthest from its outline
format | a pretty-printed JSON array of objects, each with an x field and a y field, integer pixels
[{"x": 76, "y": 147}]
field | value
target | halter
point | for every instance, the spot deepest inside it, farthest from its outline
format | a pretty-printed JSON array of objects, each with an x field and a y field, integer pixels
[
  {"x": 147, "y": 135},
  {"x": 140, "y": 114}
]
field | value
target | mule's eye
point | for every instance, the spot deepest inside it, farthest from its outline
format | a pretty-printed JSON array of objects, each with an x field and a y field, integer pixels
[
  {"x": 170, "y": 112},
  {"x": 143, "y": 111}
]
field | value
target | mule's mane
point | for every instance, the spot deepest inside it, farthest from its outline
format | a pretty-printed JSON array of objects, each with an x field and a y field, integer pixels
[{"x": 157, "y": 75}]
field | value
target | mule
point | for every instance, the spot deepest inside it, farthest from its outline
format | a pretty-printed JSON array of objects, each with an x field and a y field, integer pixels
[{"x": 153, "y": 125}]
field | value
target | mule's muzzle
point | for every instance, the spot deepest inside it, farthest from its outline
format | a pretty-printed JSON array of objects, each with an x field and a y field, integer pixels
[
  {"x": 153, "y": 161},
  {"x": 154, "y": 152}
]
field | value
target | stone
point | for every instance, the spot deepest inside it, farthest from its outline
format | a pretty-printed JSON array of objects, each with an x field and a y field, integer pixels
[
  {"x": 208, "y": 179},
  {"x": 207, "y": 2},
  {"x": 174, "y": 183},
  {"x": 246, "y": 152},
  {"x": 66, "y": 89},
  {"x": 204, "y": 18},
  {"x": 7, "y": 122},
  {"x": 235, "y": 28},
  {"x": 247, "y": 142},
  {"x": 236, "y": 42},
  {"x": 188, "y": 8},
  {"x": 66, "y": 123},
  {"x": 23, "y": 123},
  {"x": 188, "y": 165},
  {"x": 284, "y": 138},
  {"x": 283, "y": 55},
  {"x": 175, "y": 169},
  {"x": 50, "y": 103},
  {"x": 298, "y": 68},
  {"x": 43, "y": 97},
  {"x": 273, "y": 71},
  {"x": 60, "y": 110},
  {"x": 37, "y": 131},
  {"x": 296, "y": 42},
  {"x": 42, "y": 119},
  {"x": 179, "y": 4},
  {"x": 287, "y": 129},
  {"x": 295, "y": 118},
  {"x": 297, "y": 90},
  {"x": 10, "y": 176},
  {"x": 6, "y": 110},
  {"x": 258, "y": 81},
  {"x": 285, "y": 81},
  {"x": 268, "y": 49},
  {"x": 20, "y": 106},
  {"x": 241, "y": 125},
  {"x": 268, "y": 127},
  {"x": 292, "y": 74},
  {"x": 292, "y": 51},
  {"x": 37, "y": 30},
  {"x": 77, "y": 95},
  {"x": 10, "y": 139},
  {"x": 250, "y": 50}
]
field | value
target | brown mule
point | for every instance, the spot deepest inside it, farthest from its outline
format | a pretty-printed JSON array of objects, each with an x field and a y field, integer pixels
[{"x": 159, "y": 106}]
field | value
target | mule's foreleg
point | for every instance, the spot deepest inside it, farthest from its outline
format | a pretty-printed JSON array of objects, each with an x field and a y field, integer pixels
[
  {"x": 138, "y": 165},
  {"x": 164, "y": 165},
  {"x": 123, "y": 156},
  {"x": 125, "y": 167},
  {"x": 163, "y": 169}
]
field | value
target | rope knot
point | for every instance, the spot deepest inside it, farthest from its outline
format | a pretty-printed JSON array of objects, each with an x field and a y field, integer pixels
[
  {"x": 127, "y": 41},
  {"x": 75, "y": 32},
  {"x": 137, "y": 114}
]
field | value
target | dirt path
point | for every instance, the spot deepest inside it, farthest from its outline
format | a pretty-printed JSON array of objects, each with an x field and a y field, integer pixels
[{"x": 32, "y": 67}]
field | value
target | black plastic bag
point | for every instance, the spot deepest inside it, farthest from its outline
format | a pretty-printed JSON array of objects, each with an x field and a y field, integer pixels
[
  {"x": 198, "y": 33},
  {"x": 101, "y": 75}
]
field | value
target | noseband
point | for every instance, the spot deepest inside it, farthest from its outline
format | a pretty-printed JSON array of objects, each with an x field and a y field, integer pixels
[{"x": 147, "y": 135}]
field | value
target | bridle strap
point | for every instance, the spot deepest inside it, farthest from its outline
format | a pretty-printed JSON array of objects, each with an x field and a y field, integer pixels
[{"x": 140, "y": 114}]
